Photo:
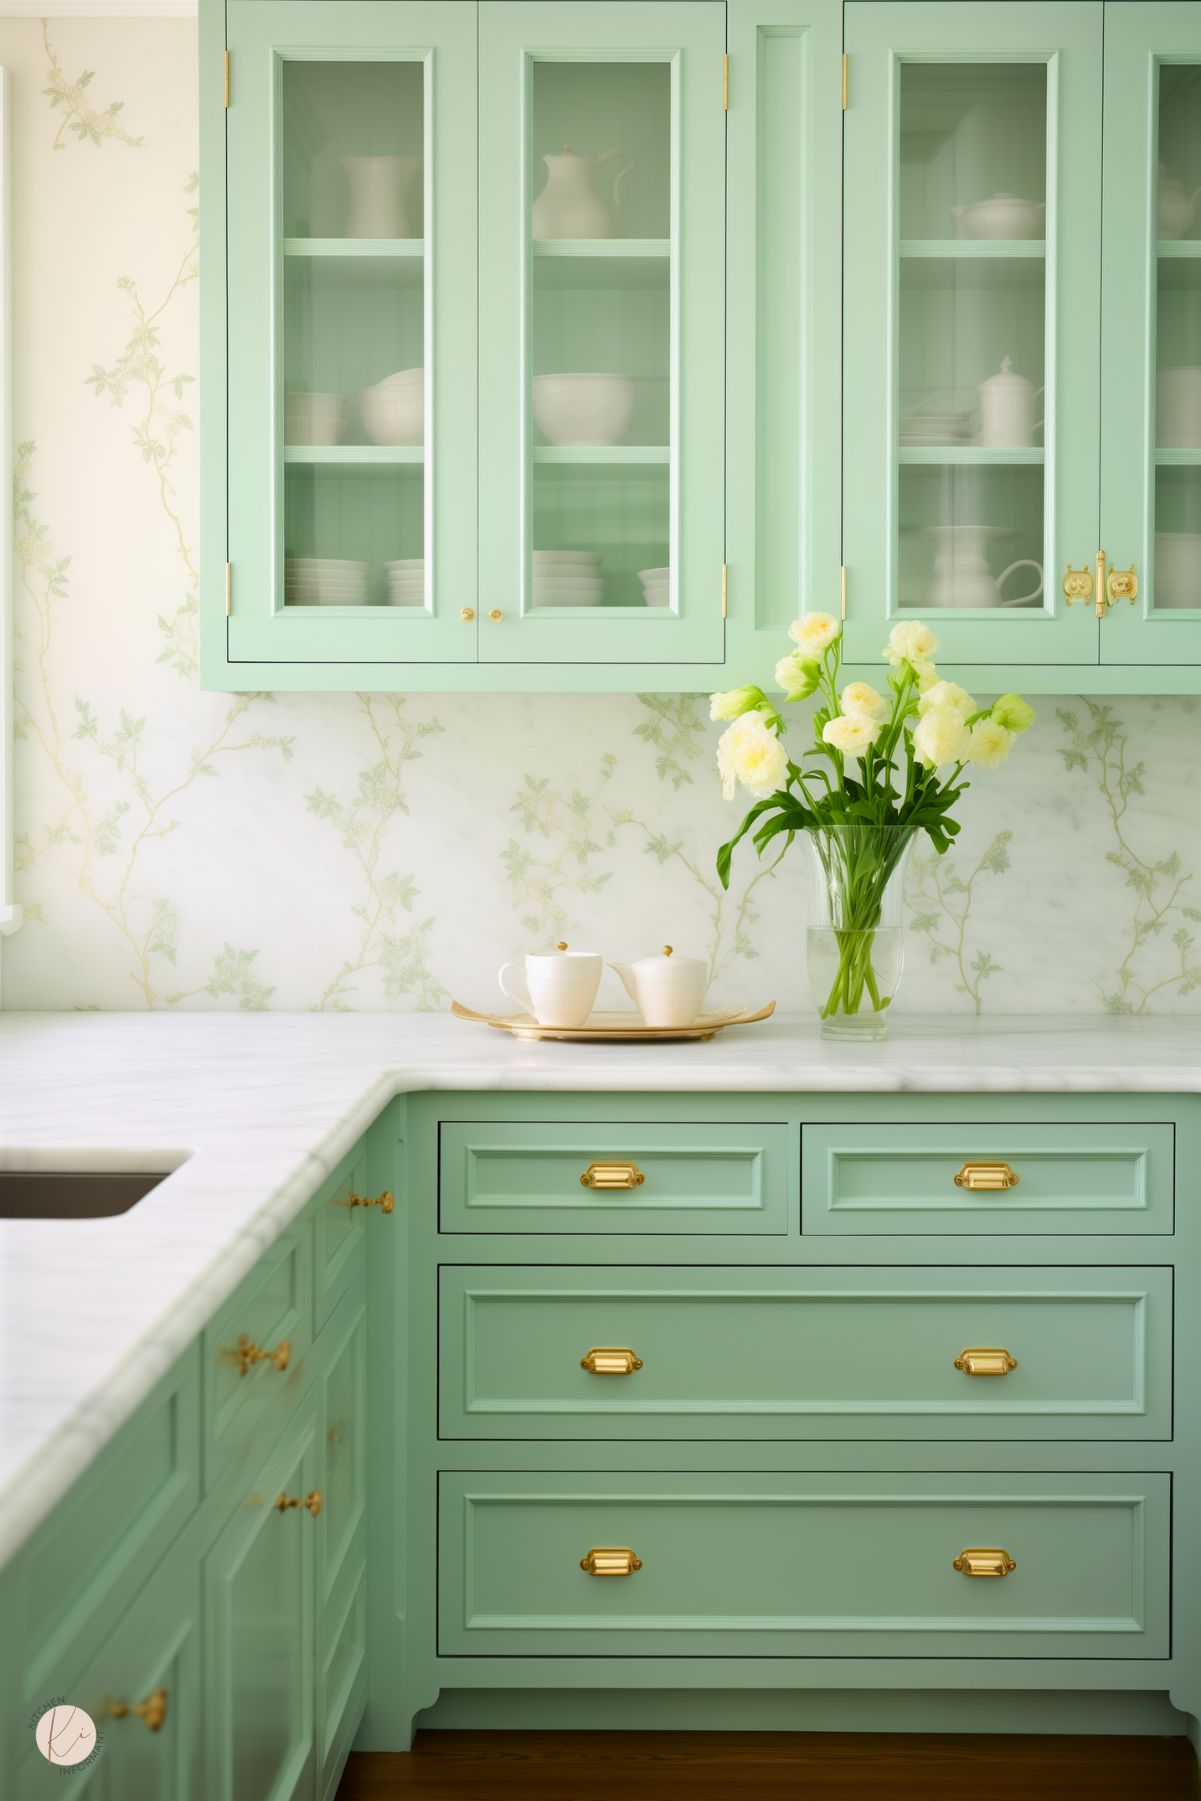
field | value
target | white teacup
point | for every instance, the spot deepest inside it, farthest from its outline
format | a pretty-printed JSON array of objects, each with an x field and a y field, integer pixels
[{"x": 559, "y": 989}]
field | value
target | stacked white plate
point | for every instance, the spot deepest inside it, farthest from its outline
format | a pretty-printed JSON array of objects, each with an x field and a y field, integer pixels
[
  {"x": 324, "y": 582},
  {"x": 406, "y": 582},
  {"x": 568, "y": 578},
  {"x": 656, "y": 586}
]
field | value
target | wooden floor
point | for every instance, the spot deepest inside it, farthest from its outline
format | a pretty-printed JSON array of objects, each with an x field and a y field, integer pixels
[{"x": 772, "y": 1766}]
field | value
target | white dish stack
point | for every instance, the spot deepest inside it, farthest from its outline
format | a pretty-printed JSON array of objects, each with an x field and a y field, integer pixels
[
  {"x": 568, "y": 578},
  {"x": 393, "y": 411},
  {"x": 324, "y": 582},
  {"x": 406, "y": 582},
  {"x": 656, "y": 586}
]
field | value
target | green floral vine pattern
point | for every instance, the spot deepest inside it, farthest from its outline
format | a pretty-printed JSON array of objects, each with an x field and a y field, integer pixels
[
  {"x": 940, "y": 902},
  {"x": 1159, "y": 955},
  {"x": 85, "y": 123}
]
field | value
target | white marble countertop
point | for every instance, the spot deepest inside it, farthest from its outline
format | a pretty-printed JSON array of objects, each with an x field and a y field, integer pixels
[{"x": 251, "y": 1111}]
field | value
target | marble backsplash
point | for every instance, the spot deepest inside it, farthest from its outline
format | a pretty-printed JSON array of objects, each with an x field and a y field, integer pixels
[{"x": 178, "y": 849}]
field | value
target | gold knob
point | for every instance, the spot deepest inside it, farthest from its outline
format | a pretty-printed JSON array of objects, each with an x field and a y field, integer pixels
[
  {"x": 561, "y": 945},
  {"x": 1078, "y": 584},
  {"x": 610, "y": 1561},
  {"x": 385, "y": 1201},
  {"x": 311, "y": 1501},
  {"x": 983, "y": 1563},
  {"x": 152, "y": 1711},
  {"x": 611, "y": 1361},
  {"x": 667, "y": 950},
  {"x": 466, "y": 614},
  {"x": 985, "y": 1362},
  {"x": 1121, "y": 584},
  {"x": 495, "y": 615},
  {"x": 986, "y": 1177},
  {"x": 612, "y": 1175},
  {"x": 248, "y": 1354}
]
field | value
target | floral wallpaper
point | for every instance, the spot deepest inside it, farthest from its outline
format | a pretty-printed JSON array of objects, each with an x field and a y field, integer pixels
[{"x": 179, "y": 849}]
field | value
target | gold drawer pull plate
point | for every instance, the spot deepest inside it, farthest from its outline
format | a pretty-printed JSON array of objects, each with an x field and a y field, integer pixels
[
  {"x": 249, "y": 1353},
  {"x": 310, "y": 1501},
  {"x": 986, "y": 1178},
  {"x": 152, "y": 1711},
  {"x": 983, "y": 1563},
  {"x": 385, "y": 1201},
  {"x": 612, "y": 1175},
  {"x": 985, "y": 1363},
  {"x": 611, "y": 1361},
  {"x": 610, "y": 1561}
]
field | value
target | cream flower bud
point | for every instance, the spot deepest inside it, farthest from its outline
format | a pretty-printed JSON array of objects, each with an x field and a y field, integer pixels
[
  {"x": 861, "y": 701},
  {"x": 940, "y": 736},
  {"x": 851, "y": 733},
  {"x": 749, "y": 752},
  {"x": 911, "y": 642},
  {"x": 798, "y": 675},
  {"x": 988, "y": 744},
  {"x": 1014, "y": 713},
  {"x": 814, "y": 633},
  {"x": 948, "y": 694},
  {"x": 734, "y": 701}
]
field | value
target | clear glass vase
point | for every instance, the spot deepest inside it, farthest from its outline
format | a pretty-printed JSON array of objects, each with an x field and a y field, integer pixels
[{"x": 855, "y": 944}]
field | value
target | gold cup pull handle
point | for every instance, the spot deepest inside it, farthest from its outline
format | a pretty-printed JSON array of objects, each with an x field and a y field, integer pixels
[
  {"x": 385, "y": 1201},
  {"x": 610, "y": 1561},
  {"x": 979, "y": 1362},
  {"x": 312, "y": 1502},
  {"x": 979, "y": 1562},
  {"x": 152, "y": 1711},
  {"x": 1121, "y": 584},
  {"x": 605, "y": 1360},
  {"x": 249, "y": 1353},
  {"x": 986, "y": 1178},
  {"x": 612, "y": 1175}
]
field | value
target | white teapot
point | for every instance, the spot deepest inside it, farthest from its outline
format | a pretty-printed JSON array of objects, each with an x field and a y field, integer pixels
[
  {"x": 667, "y": 990},
  {"x": 1007, "y": 404},
  {"x": 569, "y": 206}
]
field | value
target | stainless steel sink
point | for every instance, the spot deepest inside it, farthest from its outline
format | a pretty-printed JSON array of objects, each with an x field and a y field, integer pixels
[{"x": 72, "y": 1194}]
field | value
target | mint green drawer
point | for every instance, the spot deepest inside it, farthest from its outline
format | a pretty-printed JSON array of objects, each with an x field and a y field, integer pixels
[
  {"x": 247, "y": 1404},
  {"x": 1074, "y": 1177},
  {"x": 94, "y": 1552},
  {"x": 812, "y": 1353},
  {"x": 339, "y": 1232},
  {"x": 764, "y": 1565},
  {"x": 525, "y": 1176}
]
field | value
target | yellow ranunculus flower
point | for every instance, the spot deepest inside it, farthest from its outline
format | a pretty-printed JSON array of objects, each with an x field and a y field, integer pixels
[
  {"x": 911, "y": 642},
  {"x": 814, "y": 633},
  {"x": 798, "y": 675},
  {"x": 948, "y": 694},
  {"x": 734, "y": 701},
  {"x": 989, "y": 743},
  {"x": 749, "y": 752},
  {"x": 851, "y": 733},
  {"x": 940, "y": 736},
  {"x": 862, "y": 701},
  {"x": 1014, "y": 713}
]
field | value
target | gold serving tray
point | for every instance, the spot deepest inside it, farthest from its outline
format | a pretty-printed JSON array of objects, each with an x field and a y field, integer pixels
[{"x": 614, "y": 1028}]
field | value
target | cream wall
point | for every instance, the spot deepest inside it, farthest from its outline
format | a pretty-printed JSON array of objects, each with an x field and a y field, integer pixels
[{"x": 178, "y": 849}]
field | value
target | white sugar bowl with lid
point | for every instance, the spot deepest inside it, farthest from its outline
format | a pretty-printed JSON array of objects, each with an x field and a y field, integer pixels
[{"x": 667, "y": 990}]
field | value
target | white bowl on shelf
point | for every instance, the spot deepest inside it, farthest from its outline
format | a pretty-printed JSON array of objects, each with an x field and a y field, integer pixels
[
  {"x": 1001, "y": 216},
  {"x": 584, "y": 409},
  {"x": 314, "y": 418},
  {"x": 393, "y": 411}
]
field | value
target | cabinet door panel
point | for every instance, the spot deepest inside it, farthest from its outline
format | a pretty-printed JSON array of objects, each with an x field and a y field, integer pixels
[
  {"x": 602, "y": 210},
  {"x": 1151, "y": 295},
  {"x": 972, "y": 326},
  {"x": 351, "y": 151}
]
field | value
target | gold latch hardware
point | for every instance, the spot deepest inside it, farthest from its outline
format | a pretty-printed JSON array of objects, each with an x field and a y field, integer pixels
[
  {"x": 1077, "y": 584},
  {"x": 983, "y": 1563},
  {"x": 1099, "y": 592},
  {"x": 725, "y": 82},
  {"x": 1121, "y": 584},
  {"x": 615, "y": 1561},
  {"x": 611, "y": 1361},
  {"x": 843, "y": 602},
  {"x": 229, "y": 589},
  {"x": 612, "y": 1175},
  {"x": 152, "y": 1711},
  {"x": 227, "y": 80},
  {"x": 311, "y": 1502},
  {"x": 844, "y": 81},
  {"x": 725, "y": 582},
  {"x": 385, "y": 1201},
  {"x": 248, "y": 1354},
  {"x": 986, "y": 1177},
  {"x": 986, "y": 1363}
]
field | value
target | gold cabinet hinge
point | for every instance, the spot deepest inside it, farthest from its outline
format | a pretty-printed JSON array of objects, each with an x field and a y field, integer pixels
[
  {"x": 843, "y": 573},
  {"x": 844, "y": 81},
  {"x": 725, "y": 584},
  {"x": 229, "y": 589},
  {"x": 725, "y": 82},
  {"x": 227, "y": 78}
]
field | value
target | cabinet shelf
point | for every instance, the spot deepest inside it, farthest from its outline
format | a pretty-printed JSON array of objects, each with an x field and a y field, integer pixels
[
  {"x": 606, "y": 249},
  {"x": 602, "y": 455},
  {"x": 367, "y": 456},
  {"x": 973, "y": 249},
  {"x": 1179, "y": 250},
  {"x": 973, "y": 455},
  {"x": 1178, "y": 459},
  {"x": 355, "y": 249}
]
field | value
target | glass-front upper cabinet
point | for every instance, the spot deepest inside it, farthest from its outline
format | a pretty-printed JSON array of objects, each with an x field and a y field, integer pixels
[
  {"x": 1151, "y": 325},
  {"x": 972, "y": 148},
  {"x": 602, "y": 241},
  {"x": 352, "y": 294}
]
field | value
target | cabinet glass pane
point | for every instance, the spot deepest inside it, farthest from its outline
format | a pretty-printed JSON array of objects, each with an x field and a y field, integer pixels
[
  {"x": 601, "y": 354},
  {"x": 1176, "y": 573},
  {"x": 354, "y": 342},
  {"x": 971, "y": 335}
]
